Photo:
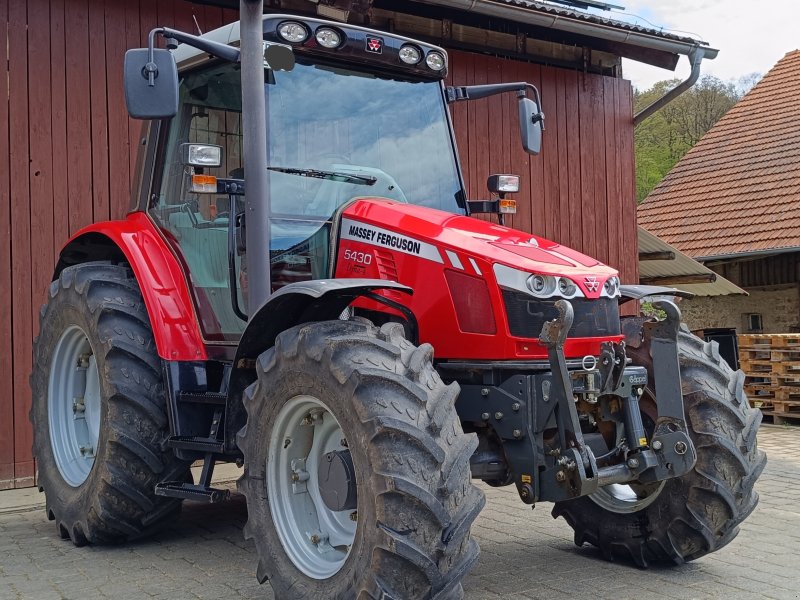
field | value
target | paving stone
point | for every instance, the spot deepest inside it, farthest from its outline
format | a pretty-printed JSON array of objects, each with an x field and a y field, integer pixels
[{"x": 526, "y": 554}]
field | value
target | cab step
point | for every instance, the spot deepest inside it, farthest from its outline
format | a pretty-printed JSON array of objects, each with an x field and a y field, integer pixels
[
  {"x": 206, "y": 445},
  {"x": 213, "y": 398},
  {"x": 190, "y": 491}
]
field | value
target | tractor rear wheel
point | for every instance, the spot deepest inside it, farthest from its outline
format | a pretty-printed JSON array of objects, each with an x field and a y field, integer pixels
[
  {"x": 98, "y": 408},
  {"x": 357, "y": 472},
  {"x": 684, "y": 518}
]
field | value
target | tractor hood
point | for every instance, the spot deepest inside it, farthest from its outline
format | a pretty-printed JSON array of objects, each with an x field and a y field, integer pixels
[{"x": 441, "y": 231}]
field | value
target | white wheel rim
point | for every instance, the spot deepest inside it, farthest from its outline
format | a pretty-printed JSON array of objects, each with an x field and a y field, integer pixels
[
  {"x": 316, "y": 539},
  {"x": 73, "y": 406},
  {"x": 624, "y": 499}
]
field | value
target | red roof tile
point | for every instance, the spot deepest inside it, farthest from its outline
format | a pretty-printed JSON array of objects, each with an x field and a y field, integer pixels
[{"x": 738, "y": 189}]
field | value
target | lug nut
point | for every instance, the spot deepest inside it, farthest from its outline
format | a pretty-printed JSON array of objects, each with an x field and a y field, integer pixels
[
  {"x": 315, "y": 539},
  {"x": 517, "y": 433},
  {"x": 515, "y": 406},
  {"x": 657, "y": 445},
  {"x": 485, "y": 416},
  {"x": 498, "y": 416},
  {"x": 680, "y": 448},
  {"x": 561, "y": 476},
  {"x": 485, "y": 392}
]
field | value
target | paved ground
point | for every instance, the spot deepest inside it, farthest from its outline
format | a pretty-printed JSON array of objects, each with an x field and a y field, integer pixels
[{"x": 525, "y": 554}]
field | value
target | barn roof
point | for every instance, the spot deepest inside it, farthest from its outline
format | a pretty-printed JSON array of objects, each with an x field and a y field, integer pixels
[{"x": 737, "y": 191}]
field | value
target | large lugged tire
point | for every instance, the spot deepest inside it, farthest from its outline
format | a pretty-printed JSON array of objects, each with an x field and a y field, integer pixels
[
  {"x": 99, "y": 410},
  {"x": 700, "y": 512},
  {"x": 369, "y": 394}
]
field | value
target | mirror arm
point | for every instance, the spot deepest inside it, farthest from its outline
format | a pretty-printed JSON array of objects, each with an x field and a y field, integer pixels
[
  {"x": 174, "y": 36},
  {"x": 539, "y": 117}
]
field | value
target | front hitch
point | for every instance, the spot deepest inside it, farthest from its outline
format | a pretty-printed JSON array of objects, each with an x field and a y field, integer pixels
[
  {"x": 669, "y": 453},
  {"x": 670, "y": 442}
]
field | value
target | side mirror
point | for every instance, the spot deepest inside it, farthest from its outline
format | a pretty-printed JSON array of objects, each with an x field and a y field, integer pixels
[
  {"x": 151, "y": 88},
  {"x": 531, "y": 123}
]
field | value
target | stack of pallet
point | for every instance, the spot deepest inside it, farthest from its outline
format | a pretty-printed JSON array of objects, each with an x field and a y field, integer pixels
[{"x": 771, "y": 363}]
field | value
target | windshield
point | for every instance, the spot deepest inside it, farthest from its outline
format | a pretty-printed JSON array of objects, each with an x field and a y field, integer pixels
[
  {"x": 333, "y": 135},
  {"x": 368, "y": 135}
]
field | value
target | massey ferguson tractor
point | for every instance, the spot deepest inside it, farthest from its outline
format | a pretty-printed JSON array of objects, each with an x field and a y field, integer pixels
[{"x": 299, "y": 288}]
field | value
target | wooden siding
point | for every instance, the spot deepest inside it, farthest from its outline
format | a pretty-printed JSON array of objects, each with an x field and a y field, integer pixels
[
  {"x": 67, "y": 150},
  {"x": 579, "y": 190}
]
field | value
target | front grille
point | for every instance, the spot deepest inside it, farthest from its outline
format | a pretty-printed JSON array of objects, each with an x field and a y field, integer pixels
[{"x": 593, "y": 318}]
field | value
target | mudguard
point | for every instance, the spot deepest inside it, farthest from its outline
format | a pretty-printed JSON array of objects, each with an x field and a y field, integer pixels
[
  {"x": 296, "y": 303},
  {"x": 166, "y": 295}
]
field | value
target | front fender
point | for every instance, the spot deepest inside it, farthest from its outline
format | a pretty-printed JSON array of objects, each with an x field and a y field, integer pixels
[
  {"x": 159, "y": 274},
  {"x": 296, "y": 303}
]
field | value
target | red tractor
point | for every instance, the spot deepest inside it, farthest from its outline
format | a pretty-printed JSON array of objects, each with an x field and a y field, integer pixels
[{"x": 298, "y": 244}]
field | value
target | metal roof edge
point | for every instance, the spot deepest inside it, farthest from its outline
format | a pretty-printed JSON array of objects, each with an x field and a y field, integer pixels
[
  {"x": 562, "y": 21},
  {"x": 734, "y": 255}
]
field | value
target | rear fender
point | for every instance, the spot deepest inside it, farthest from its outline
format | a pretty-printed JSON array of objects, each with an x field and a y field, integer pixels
[
  {"x": 136, "y": 240},
  {"x": 294, "y": 304}
]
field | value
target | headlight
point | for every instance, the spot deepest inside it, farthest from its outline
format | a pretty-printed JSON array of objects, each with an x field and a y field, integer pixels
[
  {"x": 410, "y": 55},
  {"x": 293, "y": 32},
  {"x": 328, "y": 38},
  {"x": 566, "y": 286},
  {"x": 611, "y": 287},
  {"x": 436, "y": 61},
  {"x": 542, "y": 285}
]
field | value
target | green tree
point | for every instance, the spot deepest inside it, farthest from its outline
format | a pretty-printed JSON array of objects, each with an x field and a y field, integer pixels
[{"x": 668, "y": 134}]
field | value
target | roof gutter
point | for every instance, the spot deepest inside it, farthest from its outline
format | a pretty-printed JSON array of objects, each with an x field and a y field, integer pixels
[{"x": 694, "y": 50}]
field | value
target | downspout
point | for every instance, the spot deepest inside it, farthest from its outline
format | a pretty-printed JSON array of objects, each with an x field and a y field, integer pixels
[{"x": 695, "y": 58}]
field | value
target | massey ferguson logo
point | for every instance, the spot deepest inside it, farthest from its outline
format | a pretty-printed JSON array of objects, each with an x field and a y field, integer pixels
[
  {"x": 592, "y": 284},
  {"x": 374, "y": 45}
]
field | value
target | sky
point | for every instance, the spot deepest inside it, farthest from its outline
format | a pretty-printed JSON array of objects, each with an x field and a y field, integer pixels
[{"x": 751, "y": 36}]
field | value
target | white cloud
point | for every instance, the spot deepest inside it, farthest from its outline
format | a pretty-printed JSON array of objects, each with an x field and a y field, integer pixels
[{"x": 750, "y": 36}]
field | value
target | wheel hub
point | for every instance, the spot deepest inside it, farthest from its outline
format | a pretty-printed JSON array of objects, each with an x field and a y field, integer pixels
[
  {"x": 74, "y": 406},
  {"x": 337, "y": 481},
  {"x": 311, "y": 486}
]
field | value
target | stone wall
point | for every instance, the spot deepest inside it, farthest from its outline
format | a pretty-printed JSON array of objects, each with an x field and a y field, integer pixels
[{"x": 778, "y": 306}]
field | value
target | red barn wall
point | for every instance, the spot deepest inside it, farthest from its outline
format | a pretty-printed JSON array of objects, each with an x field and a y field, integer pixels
[{"x": 67, "y": 149}]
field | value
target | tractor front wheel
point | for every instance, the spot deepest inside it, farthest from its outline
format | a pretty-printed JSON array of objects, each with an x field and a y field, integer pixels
[
  {"x": 357, "y": 472},
  {"x": 684, "y": 518}
]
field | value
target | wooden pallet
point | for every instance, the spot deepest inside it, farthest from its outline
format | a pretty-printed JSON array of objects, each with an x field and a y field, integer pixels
[
  {"x": 771, "y": 363},
  {"x": 769, "y": 340}
]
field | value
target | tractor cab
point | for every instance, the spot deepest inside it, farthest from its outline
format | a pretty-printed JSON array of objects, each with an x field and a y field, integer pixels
[{"x": 337, "y": 131}]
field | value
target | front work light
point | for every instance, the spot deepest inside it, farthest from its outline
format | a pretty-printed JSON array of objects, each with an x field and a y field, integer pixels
[
  {"x": 436, "y": 61},
  {"x": 328, "y": 38},
  {"x": 293, "y": 32},
  {"x": 201, "y": 155},
  {"x": 410, "y": 55}
]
